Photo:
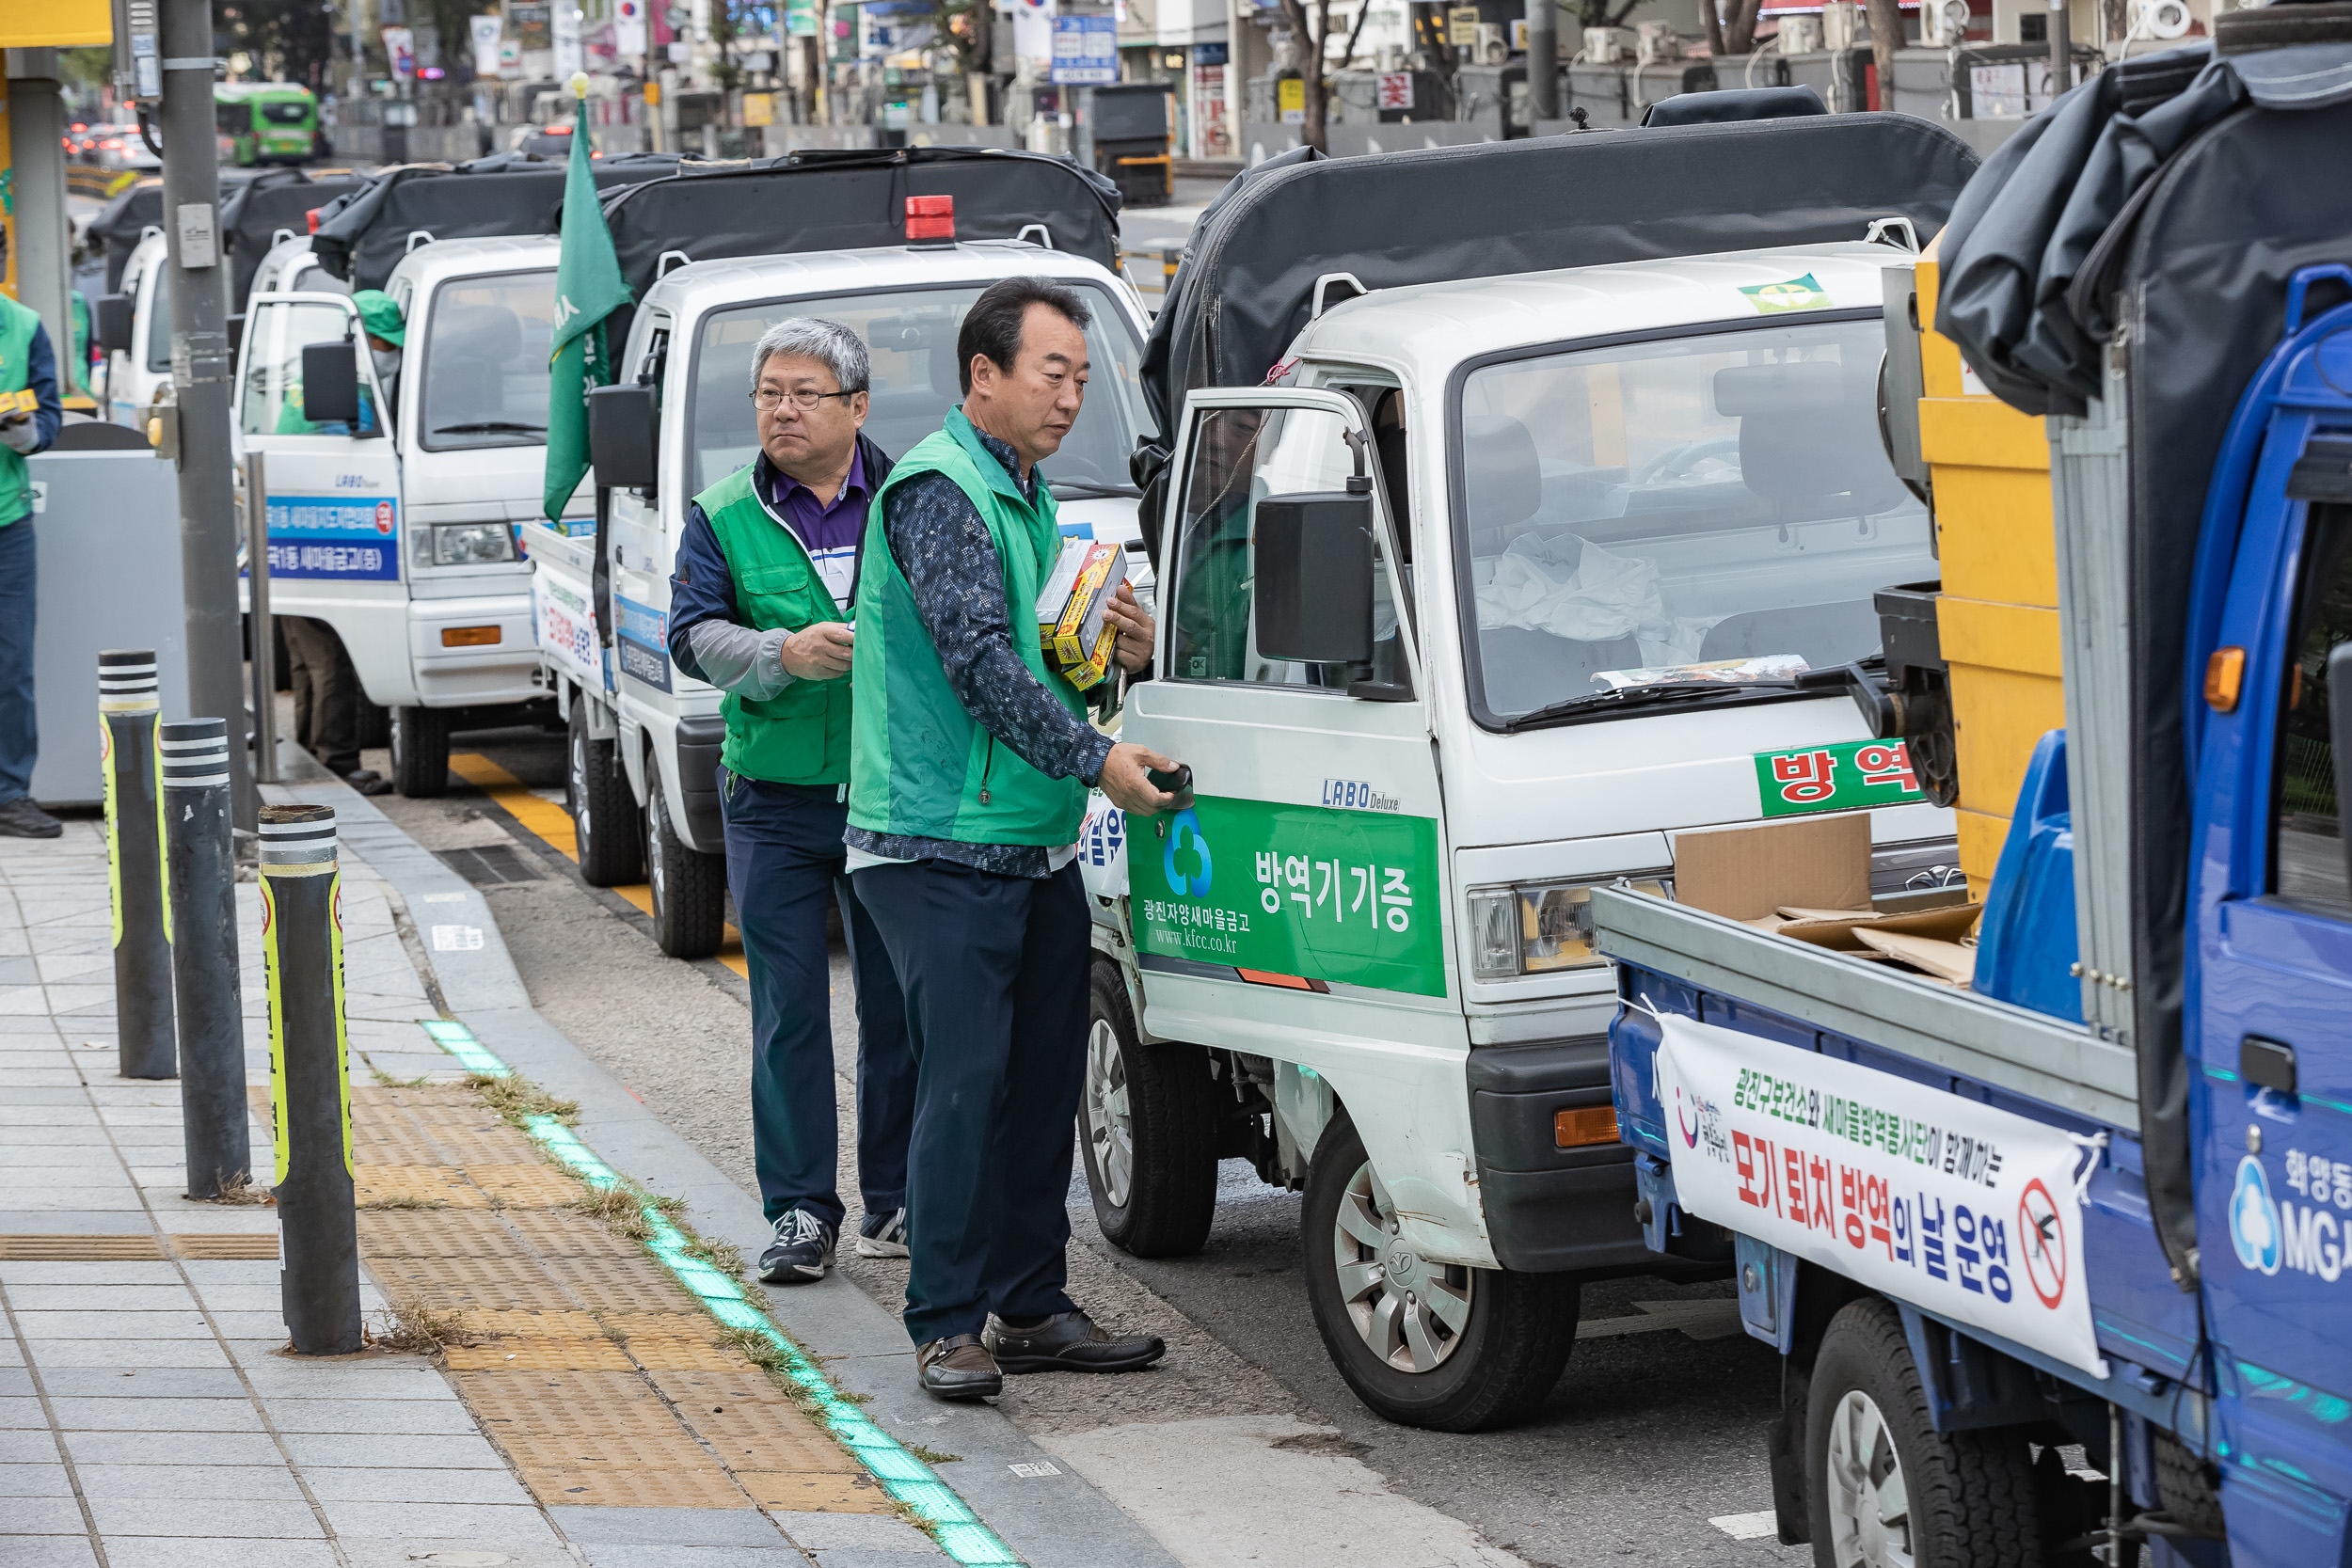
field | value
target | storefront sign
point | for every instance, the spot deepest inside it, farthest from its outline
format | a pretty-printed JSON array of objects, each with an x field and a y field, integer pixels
[
  {"x": 1290, "y": 97},
  {"x": 1949, "y": 1204},
  {"x": 1302, "y": 891}
]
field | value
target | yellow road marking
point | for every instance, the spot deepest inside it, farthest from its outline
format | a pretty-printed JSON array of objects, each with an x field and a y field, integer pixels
[{"x": 552, "y": 825}]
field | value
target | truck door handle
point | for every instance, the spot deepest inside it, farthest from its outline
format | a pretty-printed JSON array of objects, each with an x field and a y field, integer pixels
[{"x": 2266, "y": 1063}]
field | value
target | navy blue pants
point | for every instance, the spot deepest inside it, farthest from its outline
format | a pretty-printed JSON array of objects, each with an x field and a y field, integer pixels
[
  {"x": 995, "y": 972},
  {"x": 784, "y": 860},
  {"x": 20, "y": 737}
]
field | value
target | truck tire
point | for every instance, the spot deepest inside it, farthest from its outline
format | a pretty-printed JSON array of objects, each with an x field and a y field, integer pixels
[
  {"x": 1146, "y": 1125},
  {"x": 419, "y": 745},
  {"x": 690, "y": 888},
  {"x": 376, "y": 725},
  {"x": 1436, "y": 1346},
  {"x": 1883, "y": 1487},
  {"x": 605, "y": 829}
]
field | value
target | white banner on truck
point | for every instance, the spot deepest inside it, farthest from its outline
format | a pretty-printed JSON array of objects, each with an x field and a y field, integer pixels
[{"x": 1956, "y": 1207}]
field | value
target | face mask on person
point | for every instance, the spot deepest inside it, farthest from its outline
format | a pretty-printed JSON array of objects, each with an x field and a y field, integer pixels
[{"x": 386, "y": 363}]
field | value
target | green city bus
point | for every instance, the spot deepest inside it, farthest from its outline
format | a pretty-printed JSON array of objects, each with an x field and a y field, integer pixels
[{"x": 266, "y": 122}]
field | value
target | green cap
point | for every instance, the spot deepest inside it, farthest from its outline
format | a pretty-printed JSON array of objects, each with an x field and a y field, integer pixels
[{"x": 379, "y": 315}]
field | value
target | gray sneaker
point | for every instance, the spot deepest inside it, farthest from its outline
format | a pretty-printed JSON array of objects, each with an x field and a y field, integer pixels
[
  {"x": 21, "y": 818},
  {"x": 883, "y": 1235},
  {"x": 801, "y": 1252}
]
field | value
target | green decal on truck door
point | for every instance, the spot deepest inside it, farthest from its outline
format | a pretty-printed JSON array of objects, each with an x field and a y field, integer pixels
[
  {"x": 1844, "y": 777},
  {"x": 1346, "y": 897}
]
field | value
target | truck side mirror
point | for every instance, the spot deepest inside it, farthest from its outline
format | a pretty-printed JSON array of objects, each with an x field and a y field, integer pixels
[
  {"x": 1313, "y": 595},
  {"x": 330, "y": 383},
  {"x": 623, "y": 424},
  {"x": 114, "y": 322},
  {"x": 2340, "y": 734}
]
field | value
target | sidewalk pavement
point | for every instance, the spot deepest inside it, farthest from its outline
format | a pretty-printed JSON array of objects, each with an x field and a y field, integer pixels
[{"x": 148, "y": 1413}]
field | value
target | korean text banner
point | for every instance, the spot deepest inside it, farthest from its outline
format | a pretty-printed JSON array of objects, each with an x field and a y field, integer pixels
[
  {"x": 1958, "y": 1208},
  {"x": 1302, "y": 891}
]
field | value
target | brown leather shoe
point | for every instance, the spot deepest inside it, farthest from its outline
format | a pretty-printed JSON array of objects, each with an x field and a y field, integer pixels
[
  {"x": 958, "y": 1368},
  {"x": 1070, "y": 1342}
]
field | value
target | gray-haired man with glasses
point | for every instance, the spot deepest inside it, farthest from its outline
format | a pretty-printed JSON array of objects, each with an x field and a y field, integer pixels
[{"x": 759, "y": 607}]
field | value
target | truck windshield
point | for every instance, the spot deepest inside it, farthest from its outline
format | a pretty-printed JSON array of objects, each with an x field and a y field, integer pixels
[
  {"x": 486, "y": 362},
  {"x": 910, "y": 337},
  {"x": 1714, "y": 507}
]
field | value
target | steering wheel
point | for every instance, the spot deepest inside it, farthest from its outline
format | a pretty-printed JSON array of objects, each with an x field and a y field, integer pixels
[{"x": 1676, "y": 462}]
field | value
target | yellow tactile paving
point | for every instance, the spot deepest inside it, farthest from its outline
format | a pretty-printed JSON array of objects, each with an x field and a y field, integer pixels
[
  {"x": 601, "y": 1378},
  {"x": 552, "y": 825}
]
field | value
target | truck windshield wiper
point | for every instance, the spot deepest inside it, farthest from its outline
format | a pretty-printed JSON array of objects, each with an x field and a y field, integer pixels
[
  {"x": 1634, "y": 696},
  {"x": 1087, "y": 490},
  {"x": 478, "y": 427}
]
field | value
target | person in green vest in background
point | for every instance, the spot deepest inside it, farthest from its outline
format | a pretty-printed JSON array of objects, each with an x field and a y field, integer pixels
[
  {"x": 759, "y": 607},
  {"x": 968, "y": 774},
  {"x": 27, "y": 364}
]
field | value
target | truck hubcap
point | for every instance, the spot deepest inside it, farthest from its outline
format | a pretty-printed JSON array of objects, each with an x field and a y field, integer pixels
[
  {"x": 581, "y": 825},
  {"x": 1110, "y": 1128},
  {"x": 1870, "y": 1507},
  {"x": 1409, "y": 1311}
]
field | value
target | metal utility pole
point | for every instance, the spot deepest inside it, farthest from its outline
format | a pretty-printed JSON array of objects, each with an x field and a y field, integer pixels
[
  {"x": 2061, "y": 51},
  {"x": 200, "y": 374},
  {"x": 44, "y": 272},
  {"x": 1543, "y": 58}
]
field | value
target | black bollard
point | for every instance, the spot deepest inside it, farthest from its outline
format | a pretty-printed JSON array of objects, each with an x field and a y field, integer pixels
[
  {"x": 201, "y": 866},
  {"x": 128, "y": 708},
  {"x": 318, "y": 1246}
]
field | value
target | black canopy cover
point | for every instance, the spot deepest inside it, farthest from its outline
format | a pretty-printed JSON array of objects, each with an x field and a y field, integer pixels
[
  {"x": 833, "y": 200},
  {"x": 255, "y": 211},
  {"x": 1249, "y": 275},
  {"x": 2171, "y": 196},
  {"x": 366, "y": 233}
]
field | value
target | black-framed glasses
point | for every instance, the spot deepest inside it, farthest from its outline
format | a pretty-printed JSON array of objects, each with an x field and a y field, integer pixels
[{"x": 765, "y": 398}]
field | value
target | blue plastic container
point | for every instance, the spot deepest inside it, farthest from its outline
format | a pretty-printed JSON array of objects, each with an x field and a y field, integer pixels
[{"x": 2026, "y": 945}]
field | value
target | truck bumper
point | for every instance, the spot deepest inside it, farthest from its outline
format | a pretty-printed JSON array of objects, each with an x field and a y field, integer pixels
[
  {"x": 473, "y": 674},
  {"x": 1550, "y": 1208},
  {"x": 698, "y": 743}
]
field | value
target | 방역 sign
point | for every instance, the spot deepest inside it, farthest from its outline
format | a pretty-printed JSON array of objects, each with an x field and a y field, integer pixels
[
  {"x": 1844, "y": 777},
  {"x": 1311, "y": 893},
  {"x": 1944, "y": 1202}
]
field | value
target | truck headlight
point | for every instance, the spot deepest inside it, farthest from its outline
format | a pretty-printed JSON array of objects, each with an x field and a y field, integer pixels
[
  {"x": 462, "y": 544},
  {"x": 1536, "y": 927}
]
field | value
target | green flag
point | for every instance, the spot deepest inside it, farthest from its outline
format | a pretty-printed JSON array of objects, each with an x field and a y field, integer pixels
[{"x": 588, "y": 289}]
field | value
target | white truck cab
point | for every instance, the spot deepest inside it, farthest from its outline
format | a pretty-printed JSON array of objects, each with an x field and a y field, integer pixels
[
  {"x": 400, "y": 529},
  {"x": 1494, "y": 592},
  {"x": 138, "y": 366},
  {"x": 644, "y": 735}
]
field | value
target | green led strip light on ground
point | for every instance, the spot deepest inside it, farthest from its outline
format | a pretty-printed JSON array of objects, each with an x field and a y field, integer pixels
[{"x": 957, "y": 1530}]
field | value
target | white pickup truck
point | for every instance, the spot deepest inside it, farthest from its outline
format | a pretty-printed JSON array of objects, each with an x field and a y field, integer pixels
[
  {"x": 398, "y": 529},
  {"x": 1493, "y": 589},
  {"x": 645, "y": 736}
]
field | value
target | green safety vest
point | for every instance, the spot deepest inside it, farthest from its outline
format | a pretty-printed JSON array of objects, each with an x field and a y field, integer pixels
[
  {"x": 17, "y": 323},
  {"x": 801, "y": 736},
  {"x": 920, "y": 766}
]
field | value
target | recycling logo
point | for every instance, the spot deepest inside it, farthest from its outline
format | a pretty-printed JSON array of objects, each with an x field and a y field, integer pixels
[
  {"x": 1185, "y": 860},
  {"x": 2254, "y": 1218}
]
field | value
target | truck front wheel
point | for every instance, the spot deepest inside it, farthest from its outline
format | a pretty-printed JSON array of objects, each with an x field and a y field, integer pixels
[
  {"x": 1883, "y": 1488},
  {"x": 1147, "y": 1122},
  {"x": 419, "y": 745},
  {"x": 690, "y": 888},
  {"x": 604, "y": 813},
  {"x": 1421, "y": 1343}
]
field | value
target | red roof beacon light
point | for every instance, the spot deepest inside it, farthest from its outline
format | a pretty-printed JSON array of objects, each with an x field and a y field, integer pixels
[{"x": 931, "y": 220}]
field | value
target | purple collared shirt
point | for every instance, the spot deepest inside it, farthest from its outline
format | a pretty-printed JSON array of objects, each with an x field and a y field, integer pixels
[{"x": 827, "y": 531}]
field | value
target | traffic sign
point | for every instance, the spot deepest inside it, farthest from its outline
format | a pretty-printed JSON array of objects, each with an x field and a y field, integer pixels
[{"x": 1086, "y": 50}]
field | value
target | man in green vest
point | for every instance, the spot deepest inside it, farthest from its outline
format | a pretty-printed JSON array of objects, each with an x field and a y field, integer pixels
[
  {"x": 968, "y": 772},
  {"x": 759, "y": 605},
  {"x": 27, "y": 363}
]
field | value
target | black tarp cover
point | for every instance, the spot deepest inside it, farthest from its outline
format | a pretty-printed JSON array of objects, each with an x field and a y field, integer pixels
[
  {"x": 1582, "y": 200},
  {"x": 830, "y": 199},
  {"x": 366, "y": 234},
  {"x": 255, "y": 211},
  {"x": 2173, "y": 197}
]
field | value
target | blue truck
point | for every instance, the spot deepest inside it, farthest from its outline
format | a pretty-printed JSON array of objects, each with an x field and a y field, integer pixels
[{"x": 2064, "y": 1283}]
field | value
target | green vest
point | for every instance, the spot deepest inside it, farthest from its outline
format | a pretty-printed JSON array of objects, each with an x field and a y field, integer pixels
[
  {"x": 801, "y": 736},
  {"x": 919, "y": 765},
  {"x": 17, "y": 323}
]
